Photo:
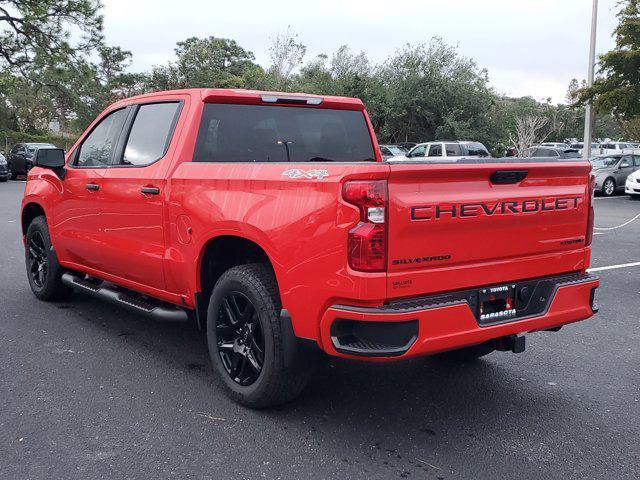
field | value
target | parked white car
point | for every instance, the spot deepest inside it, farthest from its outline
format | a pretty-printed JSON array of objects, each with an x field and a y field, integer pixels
[
  {"x": 444, "y": 151},
  {"x": 608, "y": 148},
  {"x": 580, "y": 146},
  {"x": 632, "y": 185}
]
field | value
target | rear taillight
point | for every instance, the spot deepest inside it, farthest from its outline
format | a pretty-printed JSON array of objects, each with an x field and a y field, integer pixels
[
  {"x": 367, "y": 244},
  {"x": 592, "y": 192}
]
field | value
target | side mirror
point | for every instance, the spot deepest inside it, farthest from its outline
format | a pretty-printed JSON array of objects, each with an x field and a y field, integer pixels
[
  {"x": 624, "y": 165},
  {"x": 52, "y": 158}
]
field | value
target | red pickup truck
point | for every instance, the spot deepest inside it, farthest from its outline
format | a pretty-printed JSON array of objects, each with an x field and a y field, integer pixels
[{"x": 272, "y": 220}]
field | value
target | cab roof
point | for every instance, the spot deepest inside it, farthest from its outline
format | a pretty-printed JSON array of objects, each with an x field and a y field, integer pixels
[{"x": 257, "y": 97}]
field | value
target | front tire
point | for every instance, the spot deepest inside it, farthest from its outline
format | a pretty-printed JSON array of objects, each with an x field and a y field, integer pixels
[
  {"x": 246, "y": 339},
  {"x": 609, "y": 187},
  {"x": 43, "y": 270}
]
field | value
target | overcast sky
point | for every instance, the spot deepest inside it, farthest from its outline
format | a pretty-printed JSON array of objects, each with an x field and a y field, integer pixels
[{"x": 530, "y": 47}]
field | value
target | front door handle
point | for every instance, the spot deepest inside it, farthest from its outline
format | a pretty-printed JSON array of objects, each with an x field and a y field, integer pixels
[
  {"x": 150, "y": 190},
  {"x": 92, "y": 186}
]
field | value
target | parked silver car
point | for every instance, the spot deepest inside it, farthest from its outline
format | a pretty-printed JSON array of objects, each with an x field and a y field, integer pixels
[{"x": 612, "y": 172}]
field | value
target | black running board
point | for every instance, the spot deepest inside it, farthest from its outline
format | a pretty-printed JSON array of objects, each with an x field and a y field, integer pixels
[{"x": 126, "y": 298}]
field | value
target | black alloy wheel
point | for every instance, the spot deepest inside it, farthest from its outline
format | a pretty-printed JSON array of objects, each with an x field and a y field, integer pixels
[
  {"x": 240, "y": 338},
  {"x": 38, "y": 264}
]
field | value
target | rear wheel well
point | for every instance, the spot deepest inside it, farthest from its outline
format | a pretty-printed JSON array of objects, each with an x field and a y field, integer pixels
[
  {"x": 221, "y": 254},
  {"x": 29, "y": 212}
]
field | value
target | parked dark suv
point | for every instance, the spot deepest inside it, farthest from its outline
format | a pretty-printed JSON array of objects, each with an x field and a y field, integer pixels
[{"x": 22, "y": 157}]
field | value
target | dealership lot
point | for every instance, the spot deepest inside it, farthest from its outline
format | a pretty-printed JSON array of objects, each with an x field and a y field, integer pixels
[{"x": 89, "y": 390}]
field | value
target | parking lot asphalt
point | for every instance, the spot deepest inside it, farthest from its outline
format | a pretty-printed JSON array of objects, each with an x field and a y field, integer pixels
[{"x": 91, "y": 391}]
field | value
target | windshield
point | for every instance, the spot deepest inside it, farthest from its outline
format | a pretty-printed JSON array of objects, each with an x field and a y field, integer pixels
[
  {"x": 396, "y": 150},
  {"x": 256, "y": 133},
  {"x": 600, "y": 162}
]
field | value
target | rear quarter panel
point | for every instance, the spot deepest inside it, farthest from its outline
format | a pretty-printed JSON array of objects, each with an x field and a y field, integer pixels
[{"x": 301, "y": 223}]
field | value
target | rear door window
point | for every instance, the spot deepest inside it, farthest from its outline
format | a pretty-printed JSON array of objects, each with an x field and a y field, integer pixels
[
  {"x": 453, "y": 150},
  {"x": 540, "y": 152},
  {"x": 97, "y": 148},
  {"x": 150, "y": 133},
  {"x": 256, "y": 133},
  {"x": 435, "y": 150}
]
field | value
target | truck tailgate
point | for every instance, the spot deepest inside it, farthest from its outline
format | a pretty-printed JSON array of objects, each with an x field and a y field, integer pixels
[{"x": 455, "y": 226}]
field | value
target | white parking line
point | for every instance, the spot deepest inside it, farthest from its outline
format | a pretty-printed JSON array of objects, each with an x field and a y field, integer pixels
[
  {"x": 613, "y": 267},
  {"x": 598, "y": 233}
]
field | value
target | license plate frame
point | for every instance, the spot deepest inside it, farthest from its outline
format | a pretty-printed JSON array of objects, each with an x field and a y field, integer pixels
[{"x": 497, "y": 303}]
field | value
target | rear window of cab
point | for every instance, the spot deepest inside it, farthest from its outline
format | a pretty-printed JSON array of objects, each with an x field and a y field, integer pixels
[{"x": 257, "y": 133}]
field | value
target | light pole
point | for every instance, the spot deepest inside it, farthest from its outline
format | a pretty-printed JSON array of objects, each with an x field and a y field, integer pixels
[
  {"x": 588, "y": 120},
  {"x": 286, "y": 146}
]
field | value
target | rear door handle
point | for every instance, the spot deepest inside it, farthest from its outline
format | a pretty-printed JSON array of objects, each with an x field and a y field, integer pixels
[
  {"x": 150, "y": 190},
  {"x": 92, "y": 186}
]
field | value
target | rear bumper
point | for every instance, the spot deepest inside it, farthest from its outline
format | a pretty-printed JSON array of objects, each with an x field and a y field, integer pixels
[{"x": 448, "y": 325}]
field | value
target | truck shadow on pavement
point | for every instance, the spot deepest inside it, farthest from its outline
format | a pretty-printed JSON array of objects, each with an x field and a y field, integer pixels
[{"x": 392, "y": 414}]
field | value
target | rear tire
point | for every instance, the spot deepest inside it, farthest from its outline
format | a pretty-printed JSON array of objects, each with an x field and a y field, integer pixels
[
  {"x": 43, "y": 269},
  {"x": 246, "y": 339},
  {"x": 609, "y": 187},
  {"x": 467, "y": 354}
]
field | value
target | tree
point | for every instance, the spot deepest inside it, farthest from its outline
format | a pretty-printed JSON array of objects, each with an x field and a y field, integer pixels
[
  {"x": 617, "y": 89},
  {"x": 94, "y": 86},
  {"x": 39, "y": 31},
  {"x": 207, "y": 62},
  {"x": 432, "y": 92},
  {"x": 286, "y": 55},
  {"x": 529, "y": 132},
  {"x": 345, "y": 74},
  {"x": 573, "y": 88}
]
